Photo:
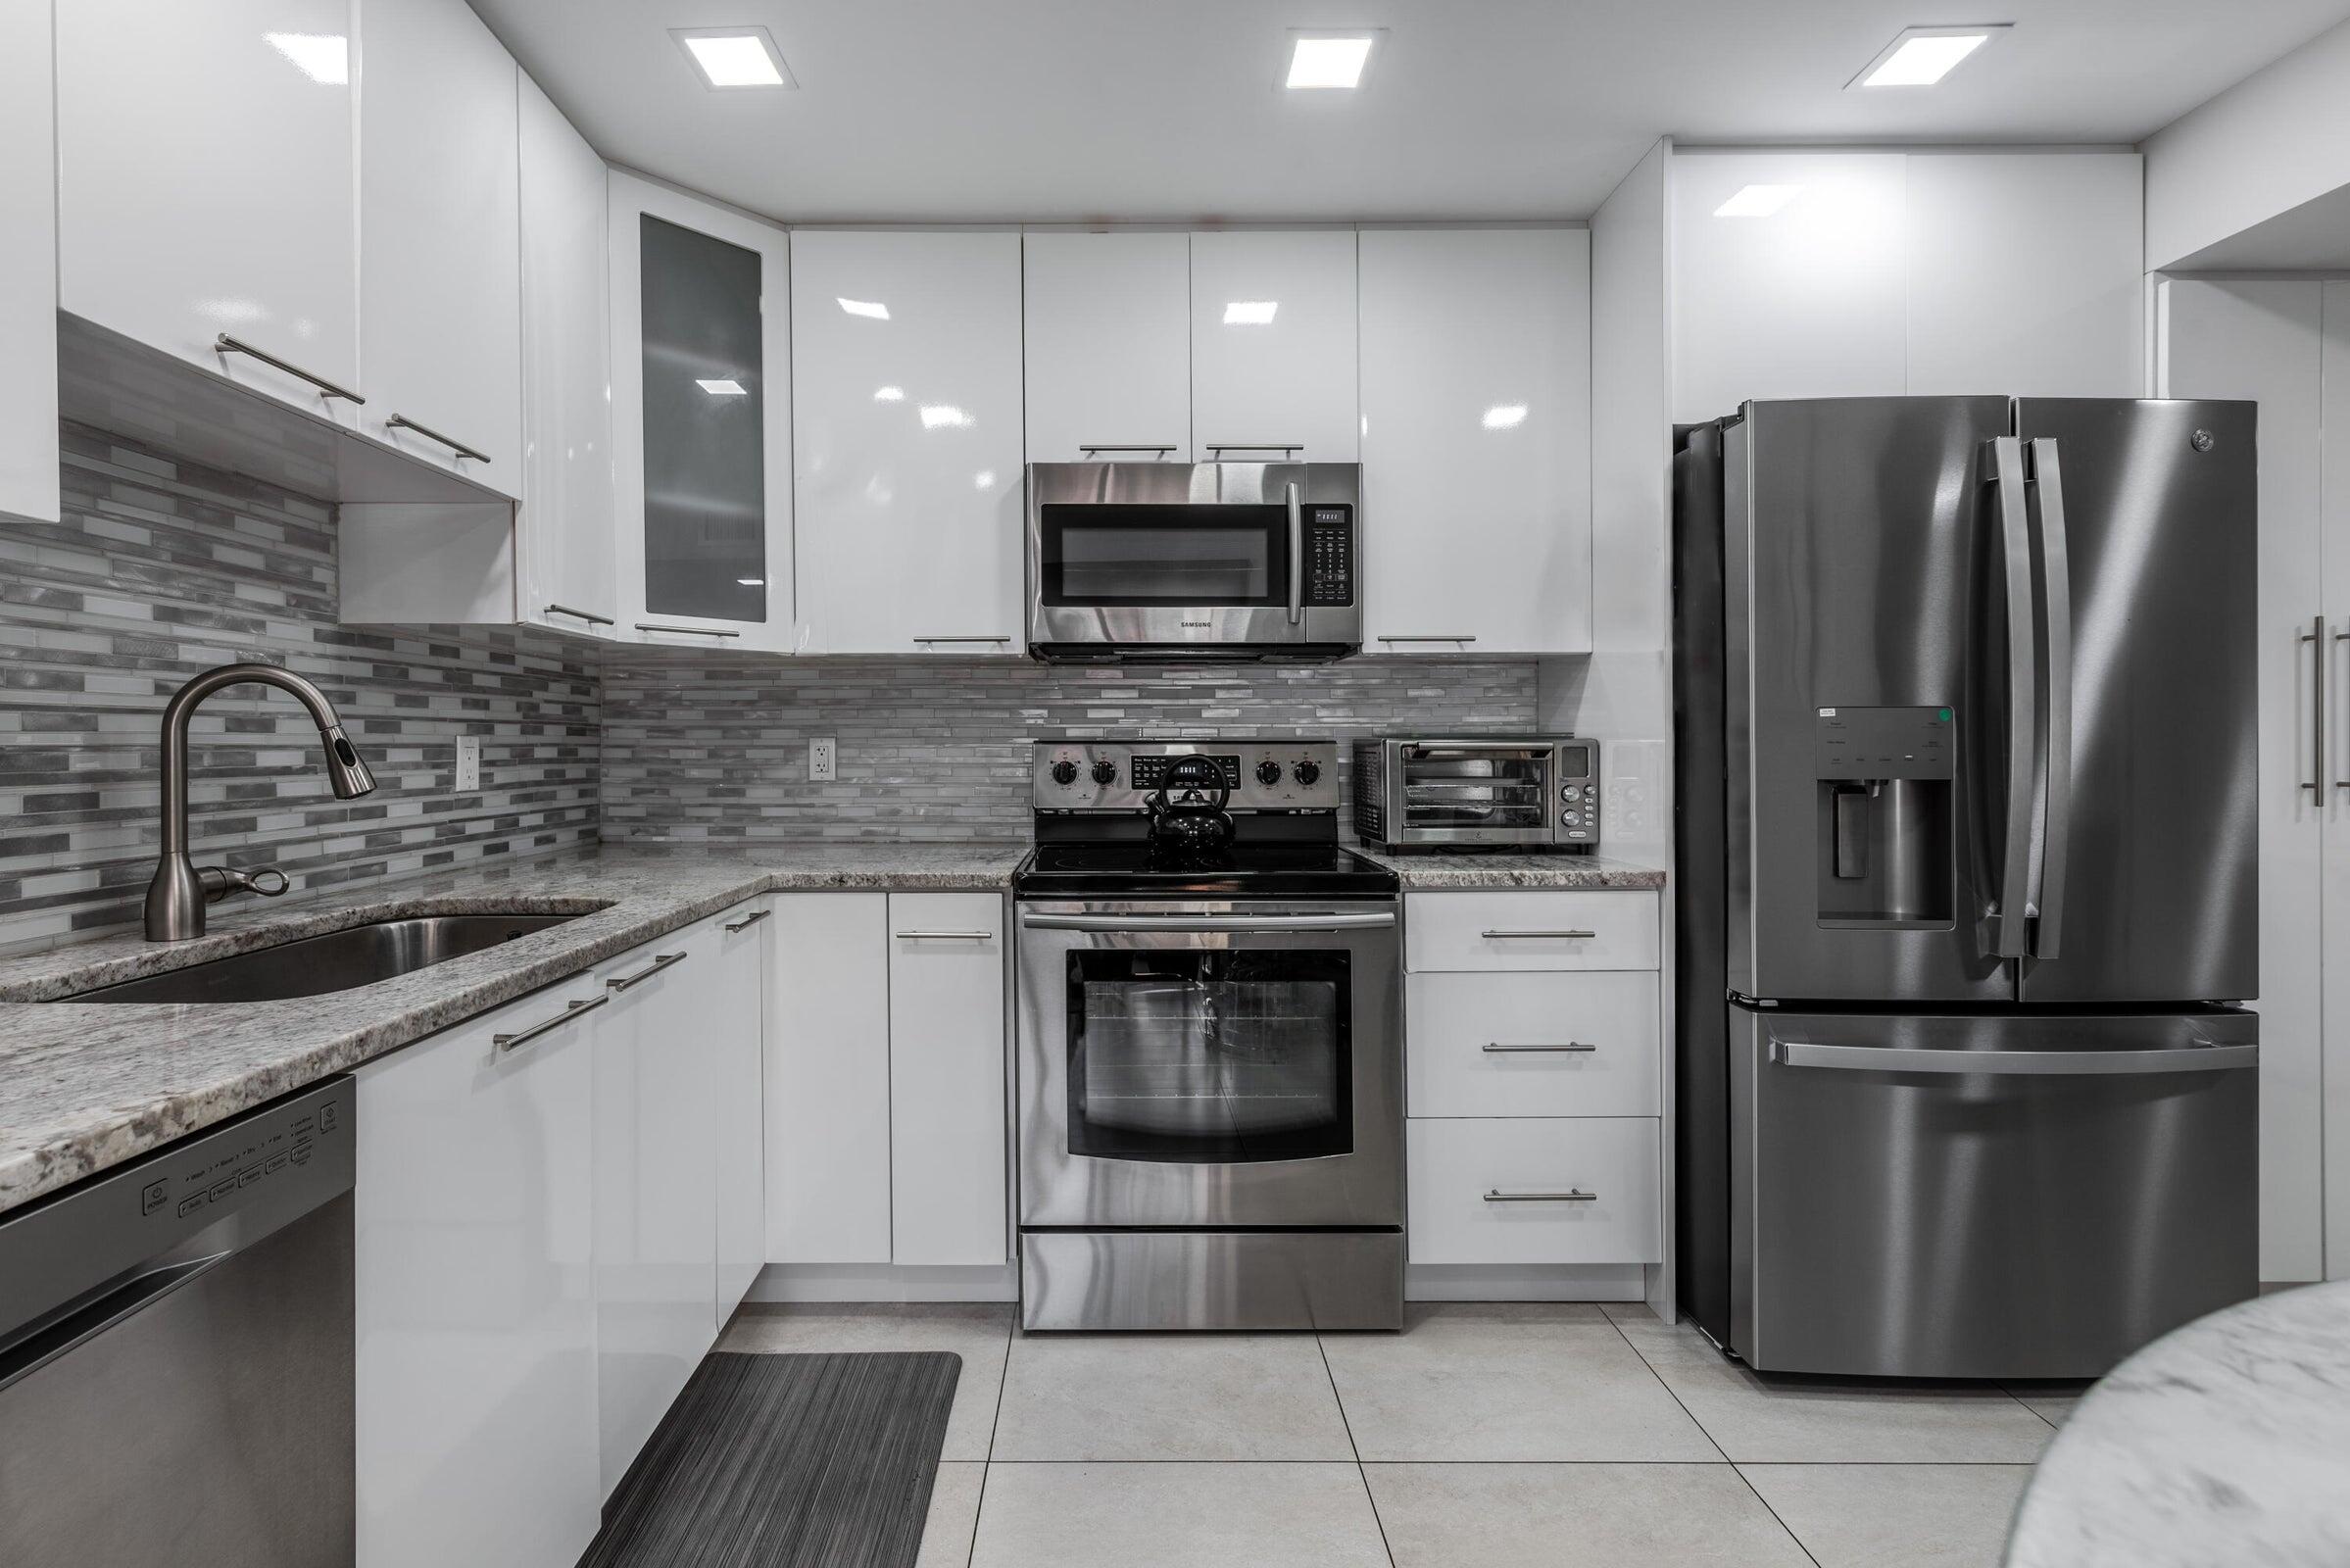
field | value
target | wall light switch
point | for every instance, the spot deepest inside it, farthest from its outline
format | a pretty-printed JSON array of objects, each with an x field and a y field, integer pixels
[
  {"x": 820, "y": 759},
  {"x": 468, "y": 762}
]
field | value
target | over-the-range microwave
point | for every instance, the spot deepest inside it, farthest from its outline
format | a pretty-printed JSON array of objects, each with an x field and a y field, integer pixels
[{"x": 1199, "y": 560}]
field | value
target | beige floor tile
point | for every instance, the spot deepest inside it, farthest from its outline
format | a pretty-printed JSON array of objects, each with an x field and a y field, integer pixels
[
  {"x": 1177, "y": 1516},
  {"x": 1773, "y": 1418},
  {"x": 2051, "y": 1401},
  {"x": 1576, "y": 1516},
  {"x": 953, "y": 1514},
  {"x": 978, "y": 1331},
  {"x": 1894, "y": 1515},
  {"x": 1169, "y": 1396},
  {"x": 1506, "y": 1382}
]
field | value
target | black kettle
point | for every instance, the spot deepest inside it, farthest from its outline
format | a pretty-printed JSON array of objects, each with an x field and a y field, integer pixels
[{"x": 1195, "y": 826}]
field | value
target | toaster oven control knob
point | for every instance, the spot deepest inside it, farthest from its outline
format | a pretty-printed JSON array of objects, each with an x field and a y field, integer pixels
[
  {"x": 1105, "y": 772},
  {"x": 1268, "y": 773},
  {"x": 1064, "y": 772},
  {"x": 1309, "y": 773}
]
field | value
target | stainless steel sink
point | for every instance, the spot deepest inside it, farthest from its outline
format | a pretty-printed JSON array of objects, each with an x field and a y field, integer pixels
[{"x": 338, "y": 960}]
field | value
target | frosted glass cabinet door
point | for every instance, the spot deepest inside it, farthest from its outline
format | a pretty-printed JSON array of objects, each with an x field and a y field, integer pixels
[
  {"x": 206, "y": 182},
  {"x": 1109, "y": 341},
  {"x": 27, "y": 265},
  {"x": 701, "y": 419},
  {"x": 1273, "y": 346}
]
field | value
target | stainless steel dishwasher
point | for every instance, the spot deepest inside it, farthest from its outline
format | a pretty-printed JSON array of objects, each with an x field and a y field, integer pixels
[{"x": 176, "y": 1352}]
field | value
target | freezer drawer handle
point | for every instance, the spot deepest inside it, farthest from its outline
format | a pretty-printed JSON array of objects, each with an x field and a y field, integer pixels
[
  {"x": 1573, "y": 1195},
  {"x": 2206, "y": 1056},
  {"x": 1497, "y": 1048}
]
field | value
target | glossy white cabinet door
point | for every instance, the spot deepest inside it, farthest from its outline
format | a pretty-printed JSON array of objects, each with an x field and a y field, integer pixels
[
  {"x": 2334, "y": 370},
  {"x": 28, "y": 263},
  {"x": 908, "y": 446},
  {"x": 475, "y": 1308},
  {"x": 828, "y": 1079},
  {"x": 656, "y": 1188},
  {"x": 705, "y": 512},
  {"x": 737, "y": 1001},
  {"x": 440, "y": 306},
  {"x": 1273, "y": 346},
  {"x": 1809, "y": 300},
  {"x": 2026, "y": 273},
  {"x": 206, "y": 182},
  {"x": 1477, "y": 440},
  {"x": 1108, "y": 345},
  {"x": 947, "y": 1112},
  {"x": 563, "y": 528}
]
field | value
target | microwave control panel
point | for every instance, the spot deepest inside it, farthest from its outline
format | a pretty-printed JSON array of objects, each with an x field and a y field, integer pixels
[{"x": 1329, "y": 555}]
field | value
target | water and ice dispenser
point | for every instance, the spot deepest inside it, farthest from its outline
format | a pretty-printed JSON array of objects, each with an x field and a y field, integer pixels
[{"x": 1885, "y": 847}]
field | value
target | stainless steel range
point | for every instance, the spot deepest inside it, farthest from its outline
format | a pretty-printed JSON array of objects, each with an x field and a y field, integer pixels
[{"x": 1210, "y": 1046}]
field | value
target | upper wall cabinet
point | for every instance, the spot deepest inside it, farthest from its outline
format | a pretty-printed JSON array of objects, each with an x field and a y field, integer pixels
[
  {"x": 27, "y": 265},
  {"x": 1273, "y": 346},
  {"x": 1476, "y": 447},
  {"x": 440, "y": 319},
  {"x": 702, "y": 421},
  {"x": 1109, "y": 341},
  {"x": 908, "y": 439},
  {"x": 206, "y": 182}
]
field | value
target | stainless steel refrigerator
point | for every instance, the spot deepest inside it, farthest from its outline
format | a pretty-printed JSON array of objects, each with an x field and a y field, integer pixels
[{"x": 1964, "y": 713}]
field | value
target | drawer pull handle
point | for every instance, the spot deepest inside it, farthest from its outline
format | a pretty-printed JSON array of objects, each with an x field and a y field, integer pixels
[
  {"x": 746, "y": 921},
  {"x": 1540, "y": 936},
  {"x": 660, "y": 961},
  {"x": 1573, "y": 1195},
  {"x": 945, "y": 936},
  {"x": 1497, "y": 1048},
  {"x": 524, "y": 1036}
]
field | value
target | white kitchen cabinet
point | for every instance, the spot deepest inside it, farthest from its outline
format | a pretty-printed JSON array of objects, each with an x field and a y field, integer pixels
[
  {"x": 475, "y": 1323},
  {"x": 1562, "y": 1044},
  {"x": 701, "y": 422},
  {"x": 206, "y": 182},
  {"x": 655, "y": 1187},
  {"x": 2333, "y": 773},
  {"x": 828, "y": 1079},
  {"x": 1579, "y": 1190},
  {"x": 1476, "y": 440},
  {"x": 907, "y": 443},
  {"x": 947, "y": 1113},
  {"x": 28, "y": 263},
  {"x": 1274, "y": 346},
  {"x": 736, "y": 1000},
  {"x": 566, "y": 549},
  {"x": 1514, "y": 930},
  {"x": 1107, "y": 343},
  {"x": 440, "y": 309}
]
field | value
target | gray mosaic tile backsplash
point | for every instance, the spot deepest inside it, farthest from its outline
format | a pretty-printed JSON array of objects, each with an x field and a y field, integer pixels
[
  {"x": 163, "y": 569},
  {"x": 709, "y": 746}
]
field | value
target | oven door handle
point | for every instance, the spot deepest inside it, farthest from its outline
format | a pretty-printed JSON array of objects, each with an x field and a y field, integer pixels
[{"x": 1145, "y": 924}]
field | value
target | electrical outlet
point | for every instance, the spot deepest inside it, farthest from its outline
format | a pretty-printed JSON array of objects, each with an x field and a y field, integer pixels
[
  {"x": 468, "y": 764},
  {"x": 820, "y": 761}
]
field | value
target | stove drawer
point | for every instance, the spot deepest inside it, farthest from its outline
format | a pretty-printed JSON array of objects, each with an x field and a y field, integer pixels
[
  {"x": 1512, "y": 930},
  {"x": 1533, "y": 1045},
  {"x": 1492, "y": 1191}
]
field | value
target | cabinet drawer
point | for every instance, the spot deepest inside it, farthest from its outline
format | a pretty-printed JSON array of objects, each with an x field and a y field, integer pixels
[
  {"x": 1456, "y": 1165},
  {"x": 1532, "y": 1045},
  {"x": 1610, "y": 930}
]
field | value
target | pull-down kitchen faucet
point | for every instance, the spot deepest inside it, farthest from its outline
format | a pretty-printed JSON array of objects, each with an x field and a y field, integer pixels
[{"x": 176, "y": 896}]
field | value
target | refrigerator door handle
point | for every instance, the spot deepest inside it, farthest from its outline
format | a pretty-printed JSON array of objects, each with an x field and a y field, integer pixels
[
  {"x": 2055, "y": 825},
  {"x": 2204, "y": 1057},
  {"x": 2010, "y": 923}
]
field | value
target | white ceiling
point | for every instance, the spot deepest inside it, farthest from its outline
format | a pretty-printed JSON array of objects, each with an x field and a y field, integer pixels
[{"x": 1169, "y": 110}]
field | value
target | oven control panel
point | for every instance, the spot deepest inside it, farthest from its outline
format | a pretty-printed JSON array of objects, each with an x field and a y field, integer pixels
[{"x": 1268, "y": 775}]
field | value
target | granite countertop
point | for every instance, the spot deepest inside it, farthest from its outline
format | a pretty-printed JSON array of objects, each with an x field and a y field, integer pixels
[
  {"x": 2225, "y": 1442},
  {"x": 1458, "y": 871},
  {"x": 84, "y": 1085}
]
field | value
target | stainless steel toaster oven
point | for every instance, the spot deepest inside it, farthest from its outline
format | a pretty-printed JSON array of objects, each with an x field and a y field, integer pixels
[{"x": 1484, "y": 792}]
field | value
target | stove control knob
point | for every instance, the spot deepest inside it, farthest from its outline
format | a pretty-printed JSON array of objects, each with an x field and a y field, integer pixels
[
  {"x": 1064, "y": 772},
  {"x": 1105, "y": 772},
  {"x": 1268, "y": 773},
  {"x": 1309, "y": 773}
]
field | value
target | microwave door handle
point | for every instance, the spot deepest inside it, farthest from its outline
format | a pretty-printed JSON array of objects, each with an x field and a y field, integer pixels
[
  {"x": 2009, "y": 926},
  {"x": 1297, "y": 556},
  {"x": 2047, "y": 488}
]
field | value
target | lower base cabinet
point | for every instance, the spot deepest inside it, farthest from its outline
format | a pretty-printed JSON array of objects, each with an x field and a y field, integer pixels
[
  {"x": 738, "y": 1098},
  {"x": 1535, "y": 1190}
]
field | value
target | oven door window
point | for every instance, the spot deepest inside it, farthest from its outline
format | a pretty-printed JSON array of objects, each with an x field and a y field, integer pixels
[
  {"x": 1210, "y": 1057},
  {"x": 1163, "y": 555}
]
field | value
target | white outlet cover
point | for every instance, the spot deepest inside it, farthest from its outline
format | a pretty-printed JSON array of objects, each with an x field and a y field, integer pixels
[
  {"x": 468, "y": 762},
  {"x": 822, "y": 760}
]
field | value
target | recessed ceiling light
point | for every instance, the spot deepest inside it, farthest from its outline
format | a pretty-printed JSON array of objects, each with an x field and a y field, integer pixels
[
  {"x": 889, "y": 394},
  {"x": 1505, "y": 415},
  {"x": 323, "y": 57},
  {"x": 984, "y": 480},
  {"x": 1251, "y": 312},
  {"x": 1329, "y": 59},
  {"x": 1758, "y": 201},
  {"x": 727, "y": 388},
  {"x": 1922, "y": 56},
  {"x": 935, "y": 414},
  {"x": 734, "y": 57},
  {"x": 871, "y": 308},
  {"x": 752, "y": 582}
]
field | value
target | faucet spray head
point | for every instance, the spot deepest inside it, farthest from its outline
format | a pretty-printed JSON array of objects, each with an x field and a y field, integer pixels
[{"x": 346, "y": 771}]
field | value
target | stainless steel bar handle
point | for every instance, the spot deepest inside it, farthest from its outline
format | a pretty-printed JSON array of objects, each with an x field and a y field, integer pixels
[
  {"x": 1297, "y": 556},
  {"x": 945, "y": 936},
  {"x": 225, "y": 344},
  {"x": 1450, "y": 637},
  {"x": 2206, "y": 1058},
  {"x": 685, "y": 631},
  {"x": 963, "y": 639},
  {"x": 401, "y": 422},
  {"x": 660, "y": 961},
  {"x": 1573, "y": 1195},
  {"x": 1135, "y": 446},
  {"x": 1537, "y": 936},
  {"x": 581, "y": 614},
  {"x": 2339, "y": 783},
  {"x": 1496, "y": 1047},
  {"x": 1253, "y": 446},
  {"x": 2011, "y": 925},
  {"x": 1144, "y": 924},
  {"x": 524, "y": 1036},
  {"x": 2316, "y": 638},
  {"x": 746, "y": 921},
  {"x": 2047, "y": 487}
]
